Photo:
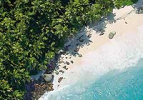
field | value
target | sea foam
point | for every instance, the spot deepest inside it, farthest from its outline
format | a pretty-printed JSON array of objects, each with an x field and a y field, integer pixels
[{"x": 118, "y": 54}]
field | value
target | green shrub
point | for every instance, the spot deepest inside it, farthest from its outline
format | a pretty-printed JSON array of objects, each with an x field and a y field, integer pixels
[
  {"x": 122, "y": 3},
  {"x": 32, "y": 31}
]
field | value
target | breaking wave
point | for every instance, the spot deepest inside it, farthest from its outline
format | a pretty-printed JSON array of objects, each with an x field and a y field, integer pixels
[{"x": 102, "y": 67}]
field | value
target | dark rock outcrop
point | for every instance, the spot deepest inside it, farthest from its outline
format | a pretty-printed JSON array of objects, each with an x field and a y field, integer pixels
[{"x": 111, "y": 35}]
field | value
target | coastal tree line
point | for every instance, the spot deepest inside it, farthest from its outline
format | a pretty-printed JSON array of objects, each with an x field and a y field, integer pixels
[{"x": 33, "y": 31}]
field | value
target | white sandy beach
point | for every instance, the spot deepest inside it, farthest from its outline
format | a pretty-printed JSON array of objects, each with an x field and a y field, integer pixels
[{"x": 124, "y": 21}]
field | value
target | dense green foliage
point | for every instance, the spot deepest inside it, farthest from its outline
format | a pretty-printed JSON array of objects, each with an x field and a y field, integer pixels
[
  {"x": 32, "y": 31},
  {"x": 122, "y": 3}
]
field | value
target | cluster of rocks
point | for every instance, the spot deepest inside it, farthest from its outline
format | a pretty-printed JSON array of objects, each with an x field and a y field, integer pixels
[
  {"x": 60, "y": 79},
  {"x": 40, "y": 89},
  {"x": 67, "y": 48},
  {"x": 36, "y": 88}
]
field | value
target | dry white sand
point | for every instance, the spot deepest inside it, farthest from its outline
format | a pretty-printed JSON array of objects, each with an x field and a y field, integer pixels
[{"x": 123, "y": 21}]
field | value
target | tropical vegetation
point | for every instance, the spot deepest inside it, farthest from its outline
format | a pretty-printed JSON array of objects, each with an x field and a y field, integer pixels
[{"x": 32, "y": 32}]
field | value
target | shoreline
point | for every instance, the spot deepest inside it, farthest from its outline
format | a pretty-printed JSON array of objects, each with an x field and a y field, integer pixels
[
  {"x": 98, "y": 41},
  {"x": 130, "y": 22}
]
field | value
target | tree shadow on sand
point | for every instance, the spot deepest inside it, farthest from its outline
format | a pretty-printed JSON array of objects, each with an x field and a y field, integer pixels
[
  {"x": 83, "y": 37},
  {"x": 100, "y": 26}
]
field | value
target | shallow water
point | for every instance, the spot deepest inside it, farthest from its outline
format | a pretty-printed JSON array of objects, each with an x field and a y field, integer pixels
[
  {"x": 114, "y": 72},
  {"x": 124, "y": 85}
]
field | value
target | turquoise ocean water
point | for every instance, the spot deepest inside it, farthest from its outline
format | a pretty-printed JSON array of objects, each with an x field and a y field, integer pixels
[
  {"x": 125, "y": 85},
  {"x": 114, "y": 72}
]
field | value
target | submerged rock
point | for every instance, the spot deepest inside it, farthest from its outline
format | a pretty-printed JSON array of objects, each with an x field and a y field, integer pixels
[
  {"x": 111, "y": 35},
  {"x": 67, "y": 63},
  {"x": 61, "y": 71},
  {"x": 101, "y": 34},
  {"x": 72, "y": 62},
  {"x": 60, "y": 79},
  {"x": 65, "y": 68}
]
